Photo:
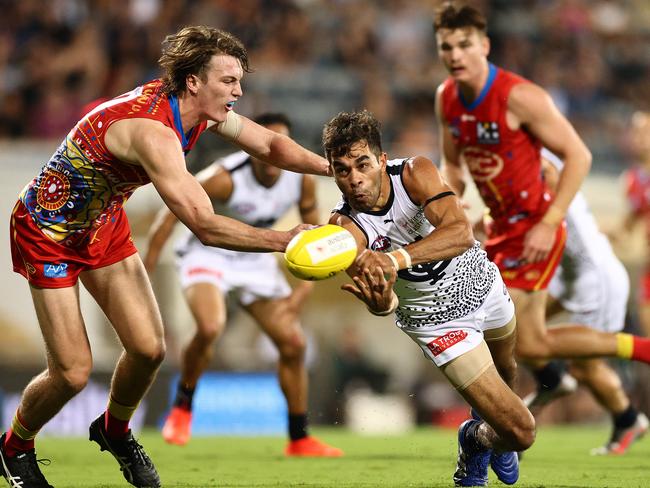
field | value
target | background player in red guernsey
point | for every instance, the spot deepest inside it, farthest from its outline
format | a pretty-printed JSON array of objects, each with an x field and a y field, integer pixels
[
  {"x": 637, "y": 192},
  {"x": 496, "y": 123},
  {"x": 69, "y": 224}
]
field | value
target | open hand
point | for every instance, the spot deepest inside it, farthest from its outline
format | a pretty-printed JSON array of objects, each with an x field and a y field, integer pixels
[{"x": 372, "y": 287}]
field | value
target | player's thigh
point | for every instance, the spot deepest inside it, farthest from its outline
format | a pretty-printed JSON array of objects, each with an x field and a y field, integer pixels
[
  {"x": 124, "y": 293},
  {"x": 530, "y": 310},
  {"x": 208, "y": 306},
  {"x": 553, "y": 306},
  {"x": 501, "y": 343},
  {"x": 62, "y": 327},
  {"x": 494, "y": 400},
  {"x": 592, "y": 370},
  {"x": 278, "y": 320}
]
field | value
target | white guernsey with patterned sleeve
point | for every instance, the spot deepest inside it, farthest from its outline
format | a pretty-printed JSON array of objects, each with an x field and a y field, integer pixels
[{"x": 444, "y": 306}]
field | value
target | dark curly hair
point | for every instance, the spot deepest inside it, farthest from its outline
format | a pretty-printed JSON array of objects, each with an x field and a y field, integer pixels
[
  {"x": 348, "y": 128},
  {"x": 189, "y": 51}
]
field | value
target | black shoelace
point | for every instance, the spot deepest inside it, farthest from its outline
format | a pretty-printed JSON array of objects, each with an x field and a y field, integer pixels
[{"x": 29, "y": 467}]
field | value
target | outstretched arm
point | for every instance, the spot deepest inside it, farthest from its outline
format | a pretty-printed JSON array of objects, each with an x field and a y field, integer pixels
[
  {"x": 216, "y": 182},
  {"x": 269, "y": 146},
  {"x": 158, "y": 150},
  {"x": 308, "y": 205}
]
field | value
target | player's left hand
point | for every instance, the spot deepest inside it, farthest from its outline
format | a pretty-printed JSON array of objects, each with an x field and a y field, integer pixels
[
  {"x": 538, "y": 242},
  {"x": 372, "y": 287}
]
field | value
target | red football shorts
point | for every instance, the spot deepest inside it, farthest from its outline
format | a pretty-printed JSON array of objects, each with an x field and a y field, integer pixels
[
  {"x": 505, "y": 252},
  {"x": 48, "y": 264}
]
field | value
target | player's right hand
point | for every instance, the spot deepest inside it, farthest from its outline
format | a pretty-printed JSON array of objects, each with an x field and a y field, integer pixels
[
  {"x": 538, "y": 242},
  {"x": 372, "y": 287},
  {"x": 291, "y": 233}
]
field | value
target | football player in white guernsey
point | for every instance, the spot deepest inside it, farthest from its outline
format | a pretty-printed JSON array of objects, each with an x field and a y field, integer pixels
[
  {"x": 246, "y": 189},
  {"x": 419, "y": 259},
  {"x": 593, "y": 286}
]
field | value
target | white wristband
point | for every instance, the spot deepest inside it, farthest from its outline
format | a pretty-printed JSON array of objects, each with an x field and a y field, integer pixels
[
  {"x": 393, "y": 260},
  {"x": 393, "y": 306},
  {"x": 407, "y": 256}
]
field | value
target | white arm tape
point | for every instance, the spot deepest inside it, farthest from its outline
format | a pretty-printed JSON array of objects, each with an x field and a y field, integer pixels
[
  {"x": 231, "y": 127},
  {"x": 407, "y": 256},
  {"x": 393, "y": 259},
  {"x": 393, "y": 306}
]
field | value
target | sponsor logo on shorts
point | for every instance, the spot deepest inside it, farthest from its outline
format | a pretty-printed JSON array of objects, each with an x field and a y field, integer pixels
[
  {"x": 509, "y": 275},
  {"x": 204, "y": 271},
  {"x": 55, "y": 270},
  {"x": 532, "y": 275},
  {"x": 440, "y": 344},
  {"x": 512, "y": 263}
]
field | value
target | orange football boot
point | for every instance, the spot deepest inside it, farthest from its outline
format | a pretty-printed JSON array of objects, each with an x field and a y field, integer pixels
[
  {"x": 311, "y": 447},
  {"x": 178, "y": 426}
]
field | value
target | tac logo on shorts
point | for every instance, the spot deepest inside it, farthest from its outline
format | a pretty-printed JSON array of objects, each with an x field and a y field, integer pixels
[
  {"x": 55, "y": 270},
  {"x": 440, "y": 344},
  {"x": 532, "y": 275},
  {"x": 512, "y": 263}
]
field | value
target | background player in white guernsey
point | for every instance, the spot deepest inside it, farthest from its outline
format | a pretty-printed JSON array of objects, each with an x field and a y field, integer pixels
[
  {"x": 418, "y": 257},
  {"x": 251, "y": 191},
  {"x": 593, "y": 286}
]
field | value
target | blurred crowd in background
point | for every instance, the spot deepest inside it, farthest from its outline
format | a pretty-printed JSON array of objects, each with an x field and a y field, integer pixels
[{"x": 313, "y": 58}]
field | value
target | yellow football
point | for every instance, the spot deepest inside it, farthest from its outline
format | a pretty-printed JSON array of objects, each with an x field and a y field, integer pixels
[{"x": 320, "y": 253}]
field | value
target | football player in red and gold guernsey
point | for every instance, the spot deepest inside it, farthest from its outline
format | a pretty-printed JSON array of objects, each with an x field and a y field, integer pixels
[
  {"x": 637, "y": 192},
  {"x": 69, "y": 224},
  {"x": 495, "y": 123}
]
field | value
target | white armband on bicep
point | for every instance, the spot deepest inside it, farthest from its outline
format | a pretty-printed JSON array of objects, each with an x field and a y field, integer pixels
[{"x": 231, "y": 127}]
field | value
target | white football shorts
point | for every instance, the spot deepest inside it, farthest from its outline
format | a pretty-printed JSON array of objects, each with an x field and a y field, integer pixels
[
  {"x": 444, "y": 342},
  {"x": 251, "y": 276},
  {"x": 595, "y": 296}
]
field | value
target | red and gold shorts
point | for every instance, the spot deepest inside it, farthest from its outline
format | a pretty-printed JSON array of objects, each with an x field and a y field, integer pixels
[
  {"x": 48, "y": 264},
  {"x": 506, "y": 252}
]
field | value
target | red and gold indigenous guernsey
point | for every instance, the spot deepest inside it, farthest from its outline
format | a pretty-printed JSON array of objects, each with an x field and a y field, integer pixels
[
  {"x": 70, "y": 218},
  {"x": 505, "y": 165},
  {"x": 637, "y": 191}
]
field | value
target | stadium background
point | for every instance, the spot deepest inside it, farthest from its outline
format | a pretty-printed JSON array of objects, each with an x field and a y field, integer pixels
[{"x": 312, "y": 58}]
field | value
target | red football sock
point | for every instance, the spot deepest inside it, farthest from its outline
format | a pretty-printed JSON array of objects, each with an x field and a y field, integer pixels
[
  {"x": 15, "y": 445},
  {"x": 115, "y": 428},
  {"x": 641, "y": 349}
]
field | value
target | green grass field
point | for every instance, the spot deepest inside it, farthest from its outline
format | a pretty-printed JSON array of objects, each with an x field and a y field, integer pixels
[{"x": 424, "y": 458}]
